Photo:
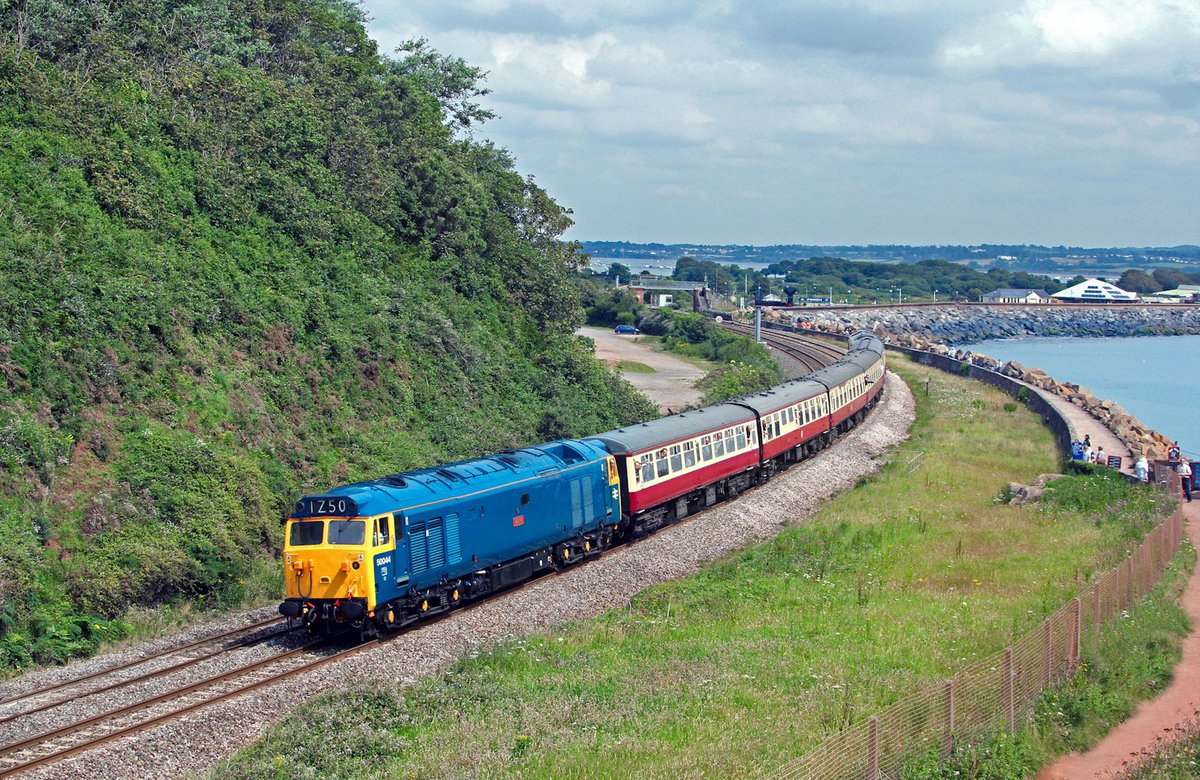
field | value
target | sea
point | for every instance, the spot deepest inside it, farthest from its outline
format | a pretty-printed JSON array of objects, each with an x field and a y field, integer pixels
[{"x": 1155, "y": 378}]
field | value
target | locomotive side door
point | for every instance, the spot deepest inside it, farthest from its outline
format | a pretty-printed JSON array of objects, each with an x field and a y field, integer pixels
[{"x": 388, "y": 568}]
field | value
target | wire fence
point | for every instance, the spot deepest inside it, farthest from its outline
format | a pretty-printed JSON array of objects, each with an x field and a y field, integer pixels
[{"x": 994, "y": 693}]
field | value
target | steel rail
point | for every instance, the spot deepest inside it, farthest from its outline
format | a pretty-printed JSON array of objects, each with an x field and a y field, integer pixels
[
  {"x": 48, "y": 736},
  {"x": 91, "y": 676},
  {"x": 184, "y": 664}
]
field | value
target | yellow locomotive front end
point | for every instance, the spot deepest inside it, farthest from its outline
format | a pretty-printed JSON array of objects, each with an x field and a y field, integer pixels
[{"x": 327, "y": 570}]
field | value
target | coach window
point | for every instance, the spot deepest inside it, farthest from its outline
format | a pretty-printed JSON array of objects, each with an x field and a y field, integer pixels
[
  {"x": 647, "y": 468},
  {"x": 689, "y": 454},
  {"x": 676, "y": 458},
  {"x": 741, "y": 438},
  {"x": 706, "y": 448},
  {"x": 661, "y": 463},
  {"x": 718, "y": 445}
]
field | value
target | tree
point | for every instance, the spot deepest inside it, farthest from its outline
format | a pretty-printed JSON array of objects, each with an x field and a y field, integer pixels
[
  {"x": 1138, "y": 281},
  {"x": 450, "y": 80},
  {"x": 618, "y": 271},
  {"x": 1170, "y": 278}
]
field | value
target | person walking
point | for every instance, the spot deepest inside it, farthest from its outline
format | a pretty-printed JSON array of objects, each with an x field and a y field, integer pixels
[
  {"x": 1185, "y": 478},
  {"x": 1142, "y": 469}
]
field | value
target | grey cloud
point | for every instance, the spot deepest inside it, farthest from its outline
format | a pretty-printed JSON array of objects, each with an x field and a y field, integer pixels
[
  {"x": 850, "y": 29},
  {"x": 812, "y": 122}
]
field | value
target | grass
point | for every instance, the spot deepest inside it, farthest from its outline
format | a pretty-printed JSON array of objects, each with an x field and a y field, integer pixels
[
  {"x": 1176, "y": 758},
  {"x": 760, "y": 656},
  {"x": 1131, "y": 663},
  {"x": 633, "y": 367}
]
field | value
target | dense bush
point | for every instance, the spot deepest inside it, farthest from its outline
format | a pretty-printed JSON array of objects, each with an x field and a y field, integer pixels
[
  {"x": 244, "y": 257},
  {"x": 744, "y": 365}
]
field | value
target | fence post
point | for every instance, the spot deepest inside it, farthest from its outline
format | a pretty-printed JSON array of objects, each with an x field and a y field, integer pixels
[
  {"x": 948, "y": 717},
  {"x": 1047, "y": 650},
  {"x": 1076, "y": 629},
  {"x": 1010, "y": 708},
  {"x": 873, "y": 748},
  {"x": 1098, "y": 610},
  {"x": 1129, "y": 583}
]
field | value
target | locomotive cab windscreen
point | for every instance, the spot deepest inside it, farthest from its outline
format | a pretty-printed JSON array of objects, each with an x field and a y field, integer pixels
[{"x": 328, "y": 559}]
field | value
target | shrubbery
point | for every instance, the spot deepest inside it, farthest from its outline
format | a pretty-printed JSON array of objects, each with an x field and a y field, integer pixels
[{"x": 246, "y": 257}]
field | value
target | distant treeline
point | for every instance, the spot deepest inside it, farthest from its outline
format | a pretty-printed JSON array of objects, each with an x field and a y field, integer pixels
[
  {"x": 858, "y": 282},
  {"x": 1048, "y": 259}
]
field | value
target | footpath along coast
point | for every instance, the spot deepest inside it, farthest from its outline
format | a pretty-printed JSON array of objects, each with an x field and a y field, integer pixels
[{"x": 1179, "y": 702}]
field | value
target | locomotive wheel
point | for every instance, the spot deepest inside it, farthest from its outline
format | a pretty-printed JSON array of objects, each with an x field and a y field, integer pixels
[{"x": 369, "y": 630}]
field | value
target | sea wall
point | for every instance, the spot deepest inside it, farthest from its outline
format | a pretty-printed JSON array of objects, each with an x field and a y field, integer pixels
[{"x": 957, "y": 324}]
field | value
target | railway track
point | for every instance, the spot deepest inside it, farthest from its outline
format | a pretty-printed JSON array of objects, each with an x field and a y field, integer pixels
[
  {"x": 232, "y": 639},
  {"x": 96, "y": 727},
  {"x": 53, "y": 743},
  {"x": 809, "y": 353}
]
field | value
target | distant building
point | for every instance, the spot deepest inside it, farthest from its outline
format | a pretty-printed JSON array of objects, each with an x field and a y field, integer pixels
[
  {"x": 1017, "y": 295},
  {"x": 662, "y": 292},
  {"x": 1184, "y": 293},
  {"x": 1094, "y": 291}
]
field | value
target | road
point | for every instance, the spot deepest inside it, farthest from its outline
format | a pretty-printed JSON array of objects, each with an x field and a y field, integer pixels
[{"x": 670, "y": 386}]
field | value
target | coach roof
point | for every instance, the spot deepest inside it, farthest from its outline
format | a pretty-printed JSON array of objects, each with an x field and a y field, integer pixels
[{"x": 647, "y": 435}]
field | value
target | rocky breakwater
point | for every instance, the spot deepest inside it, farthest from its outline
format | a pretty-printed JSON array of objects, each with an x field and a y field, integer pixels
[{"x": 962, "y": 324}]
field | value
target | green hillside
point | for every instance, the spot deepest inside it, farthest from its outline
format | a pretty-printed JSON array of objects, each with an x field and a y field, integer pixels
[{"x": 245, "y": 256}]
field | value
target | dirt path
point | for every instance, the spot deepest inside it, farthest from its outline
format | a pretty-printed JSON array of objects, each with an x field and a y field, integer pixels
[
  {"x": 669, "y": 386},
  {"x": 1176, "y": 704}
]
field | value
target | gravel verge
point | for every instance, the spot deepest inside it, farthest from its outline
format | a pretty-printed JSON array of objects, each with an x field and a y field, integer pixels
[{"x": 196, "y": 742}]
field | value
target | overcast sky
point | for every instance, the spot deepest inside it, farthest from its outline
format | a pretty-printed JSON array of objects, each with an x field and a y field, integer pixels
[{"x": 841, "y": 121}]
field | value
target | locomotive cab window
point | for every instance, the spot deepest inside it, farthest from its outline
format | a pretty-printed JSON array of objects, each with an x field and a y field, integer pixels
[
  {"x": 383, "y": 530},
  {"x": 347, "y": 531},
  {"x": 306, "y": 532}
]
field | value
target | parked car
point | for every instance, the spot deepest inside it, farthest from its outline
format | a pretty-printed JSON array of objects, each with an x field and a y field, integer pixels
[{"x": 626, "y": 330}]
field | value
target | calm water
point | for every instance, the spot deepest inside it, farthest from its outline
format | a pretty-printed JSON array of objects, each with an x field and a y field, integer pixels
[{"x": 1156, "y": 378}]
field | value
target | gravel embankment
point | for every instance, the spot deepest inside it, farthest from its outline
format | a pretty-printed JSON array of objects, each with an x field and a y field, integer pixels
[{"x": 195, "y": 743}]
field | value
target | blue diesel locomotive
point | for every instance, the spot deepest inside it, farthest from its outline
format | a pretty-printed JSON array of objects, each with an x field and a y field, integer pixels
[{"x": 381, "y": 554}]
